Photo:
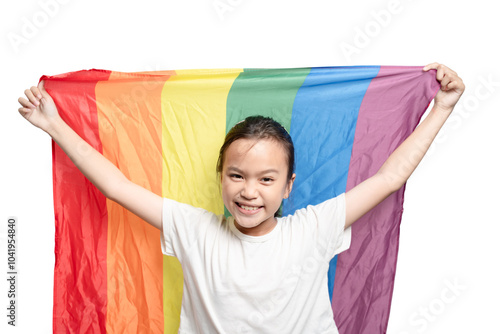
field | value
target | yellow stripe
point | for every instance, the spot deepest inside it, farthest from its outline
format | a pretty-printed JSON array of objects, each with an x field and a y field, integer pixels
[{"x": 193, "y": 129}]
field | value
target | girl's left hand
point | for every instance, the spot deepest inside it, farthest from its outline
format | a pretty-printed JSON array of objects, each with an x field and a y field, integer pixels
[{"x": 452, "y": 86}]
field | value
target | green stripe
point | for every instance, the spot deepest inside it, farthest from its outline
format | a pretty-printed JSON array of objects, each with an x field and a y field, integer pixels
[{"x": 265, "y": 92}]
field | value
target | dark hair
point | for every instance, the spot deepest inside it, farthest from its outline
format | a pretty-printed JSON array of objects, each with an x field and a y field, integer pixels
[{"x": 260, "y": 127}]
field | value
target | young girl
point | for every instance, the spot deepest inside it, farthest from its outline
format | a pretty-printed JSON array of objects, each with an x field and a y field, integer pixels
[{"x": 252, "y": 272}]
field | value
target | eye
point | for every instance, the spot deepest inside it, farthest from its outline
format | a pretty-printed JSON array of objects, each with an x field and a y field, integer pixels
[
  {"x": 235, "y": 176},
  {"x": 267, "y": 179}
]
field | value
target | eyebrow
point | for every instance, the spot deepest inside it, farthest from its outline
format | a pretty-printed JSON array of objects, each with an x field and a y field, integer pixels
[{"x": 267, "y": 171}]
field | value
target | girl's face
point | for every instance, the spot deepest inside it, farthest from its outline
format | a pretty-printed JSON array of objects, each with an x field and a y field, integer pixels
[{"x": 254, "y": 182}]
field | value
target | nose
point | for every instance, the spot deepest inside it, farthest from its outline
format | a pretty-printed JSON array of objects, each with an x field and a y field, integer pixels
[{"x": 249, "y": 190}]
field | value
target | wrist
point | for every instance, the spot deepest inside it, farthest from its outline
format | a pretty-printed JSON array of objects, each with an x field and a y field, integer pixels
[
  {"x": 441, "y": 110},
  {"x": 55, "y": 126}
]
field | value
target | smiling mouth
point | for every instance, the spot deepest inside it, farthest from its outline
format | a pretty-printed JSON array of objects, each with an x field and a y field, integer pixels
[{"x": 248, "y": 208}]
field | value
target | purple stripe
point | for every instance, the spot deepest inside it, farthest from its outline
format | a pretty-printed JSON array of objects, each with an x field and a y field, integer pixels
[{"x": 391, "y": 109}]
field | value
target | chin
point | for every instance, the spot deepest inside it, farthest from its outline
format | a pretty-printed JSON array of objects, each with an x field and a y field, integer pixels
[
  {"x": 248, "y": 225},
  {"x": 245, "y": 222}
]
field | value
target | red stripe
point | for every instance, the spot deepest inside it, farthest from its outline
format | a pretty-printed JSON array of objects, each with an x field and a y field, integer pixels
[{"x": 80, "y": 284}]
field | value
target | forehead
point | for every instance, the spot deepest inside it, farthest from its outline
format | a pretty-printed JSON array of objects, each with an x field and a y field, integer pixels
[{"x": 256, "y": 153}]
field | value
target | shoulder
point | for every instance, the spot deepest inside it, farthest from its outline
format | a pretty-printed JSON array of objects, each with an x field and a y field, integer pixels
[
  {"x": 331, "y": 208},
  {"x": 324, "y": 223},
  {"x": 177, "y": 212},
  {"x": 184, "y": 224},
  {"x": 179, "y": 209}
]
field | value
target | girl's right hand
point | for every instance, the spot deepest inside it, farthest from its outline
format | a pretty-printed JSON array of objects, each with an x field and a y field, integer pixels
[{"x": 39, "y": 108}]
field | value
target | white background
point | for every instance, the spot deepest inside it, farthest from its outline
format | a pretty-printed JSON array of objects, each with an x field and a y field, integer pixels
[{"x": 450, "y": 228}]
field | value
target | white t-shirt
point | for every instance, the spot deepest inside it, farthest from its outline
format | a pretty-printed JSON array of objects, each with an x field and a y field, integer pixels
[{"x": 235, "y": 283}]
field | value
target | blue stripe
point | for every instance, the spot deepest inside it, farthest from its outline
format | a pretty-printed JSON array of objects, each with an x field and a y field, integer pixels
[{"x": 323, "y": 143}]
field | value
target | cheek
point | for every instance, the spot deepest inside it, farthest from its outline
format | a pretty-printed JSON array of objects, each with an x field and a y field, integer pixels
[{"x": 226, "y": 189}]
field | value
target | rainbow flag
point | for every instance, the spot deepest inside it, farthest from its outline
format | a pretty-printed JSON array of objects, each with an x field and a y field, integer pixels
[{"x": 164, "y": 129}]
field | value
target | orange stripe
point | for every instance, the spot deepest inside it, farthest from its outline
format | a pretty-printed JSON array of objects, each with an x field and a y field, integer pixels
[{"x": 129, "y": 112}]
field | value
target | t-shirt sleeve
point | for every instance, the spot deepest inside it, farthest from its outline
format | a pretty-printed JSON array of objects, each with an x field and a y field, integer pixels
[
  {"x": 182, "y": 225},
  {"x": 330, "y": 216}
]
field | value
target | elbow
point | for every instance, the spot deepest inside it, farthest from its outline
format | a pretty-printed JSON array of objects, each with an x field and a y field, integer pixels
[
  {"x": 392, "y": 181},
  {"x": 107, "y": 192},
  {"x": 113, "y": 189}
]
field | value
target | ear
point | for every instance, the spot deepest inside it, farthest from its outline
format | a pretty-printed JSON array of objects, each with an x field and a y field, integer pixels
[{"x": 289, "y": 186}]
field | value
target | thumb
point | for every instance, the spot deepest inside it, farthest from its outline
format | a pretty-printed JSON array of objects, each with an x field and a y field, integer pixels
[{"x": 41, "y": 87}]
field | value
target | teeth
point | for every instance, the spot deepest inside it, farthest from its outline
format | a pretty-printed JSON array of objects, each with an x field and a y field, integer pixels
[{"x": 249, "y": 208}]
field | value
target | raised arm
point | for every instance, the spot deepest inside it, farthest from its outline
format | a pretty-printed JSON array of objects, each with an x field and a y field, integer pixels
[
  {"x": 402, "y": 162},
  {"x": 40, "y": 110}
]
